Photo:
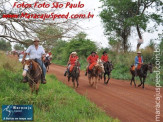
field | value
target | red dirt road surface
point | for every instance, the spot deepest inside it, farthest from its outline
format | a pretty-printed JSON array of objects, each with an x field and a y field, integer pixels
[{"x": 118, "y": 98}]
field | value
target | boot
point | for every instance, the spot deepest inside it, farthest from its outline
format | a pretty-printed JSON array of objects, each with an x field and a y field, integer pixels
[
  {"x": 43, "y": 80},
  {"x": 65, "y": 73},
  {"x": 25, "y": 79}
]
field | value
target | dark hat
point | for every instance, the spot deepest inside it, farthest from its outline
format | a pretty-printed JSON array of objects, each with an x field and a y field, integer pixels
[
  {"x": 104, "y": 52},
  {"x": 93, "y": 52}
]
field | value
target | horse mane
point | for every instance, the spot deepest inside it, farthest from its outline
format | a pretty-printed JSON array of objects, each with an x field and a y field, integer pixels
[
  {"x": 145, "y": 66},
  {"x": 34, "y": 65}
]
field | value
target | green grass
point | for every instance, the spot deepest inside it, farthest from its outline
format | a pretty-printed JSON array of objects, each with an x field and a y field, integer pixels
[{"x": 55, "y": 102}]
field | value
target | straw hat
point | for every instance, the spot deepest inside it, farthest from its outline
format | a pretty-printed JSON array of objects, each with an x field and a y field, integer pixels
[
  {"x": 74, "y": 53},
  {"x": 36, "y": 39},
  {"x": 139, "y": 52}
]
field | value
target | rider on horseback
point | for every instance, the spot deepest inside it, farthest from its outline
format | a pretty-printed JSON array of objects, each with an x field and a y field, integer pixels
[
  {"x": 138, "y": 61},
  {"x": 71, "y": 62},
  {"x": 92, "y": 60},
  {"x": 37, "y": 53},
  {"x": 104, "y": 57}
]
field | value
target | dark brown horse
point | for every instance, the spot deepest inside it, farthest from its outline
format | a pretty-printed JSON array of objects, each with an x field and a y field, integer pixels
[
  {"x": 74, "y": 74},
  {"x": 33, "y": 72},
  {"x": 108, "y": 67},
  {"x": 47, "y": 63},
  {"x": 142, "y": 73}
]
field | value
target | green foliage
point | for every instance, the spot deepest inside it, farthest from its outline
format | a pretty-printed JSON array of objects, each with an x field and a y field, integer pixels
[
  {"x": 120, "y": 15},
  {"x": 80, "y": 44},
  {"x": 49, "y": 35},
  {"x": 5, "y": 46},
  {"x": 18, "y": 47}
]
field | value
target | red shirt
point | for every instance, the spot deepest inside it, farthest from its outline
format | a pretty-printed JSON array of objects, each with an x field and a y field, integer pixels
[
  {"x": 92, "y": 59},
  {"x": 104, "y": 58},
  {"x": 139, "y": 59},
  {"x": 73, "y": 59},
  {"x": 50, "y": 53}
]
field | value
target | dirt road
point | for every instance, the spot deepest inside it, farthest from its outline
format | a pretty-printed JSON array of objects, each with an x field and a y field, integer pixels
[{"x": 118, "y": 98}]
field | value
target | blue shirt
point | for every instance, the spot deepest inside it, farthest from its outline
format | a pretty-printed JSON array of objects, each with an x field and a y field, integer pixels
[{"x": 137, "y": 61}]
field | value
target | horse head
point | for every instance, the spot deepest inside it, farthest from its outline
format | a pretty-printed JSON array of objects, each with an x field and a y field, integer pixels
[
  {"x": 150, "y": 67},
  {"x": 28, "y": 66}
]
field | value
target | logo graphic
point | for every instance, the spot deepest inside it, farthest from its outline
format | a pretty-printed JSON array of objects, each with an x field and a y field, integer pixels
[{"x": 17, "y": 112}]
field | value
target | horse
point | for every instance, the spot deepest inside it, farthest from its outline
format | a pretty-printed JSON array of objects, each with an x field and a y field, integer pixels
[
  {"x": 94, "y": 73},
  {"x": 101, "y": 69},
  {"x": 108, "y": 67},
  {"x": 47, "y": 63},
  {"x": 141, "y": 72},
  {"x": 75, "y": 74},
  {"x": 33, "y": 72}
]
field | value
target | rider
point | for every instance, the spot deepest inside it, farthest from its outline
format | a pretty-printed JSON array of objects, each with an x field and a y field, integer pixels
[
  {"x": 47, "y": 55},
  {"x": 37, "y": 53},
  {"x": 104, "y": 57},
  {"x": 50, "y": 56},
  {"x": 71, "y": 62},
  {"x": 138, "y": 60},
  {"x": 92, "y": 61}
]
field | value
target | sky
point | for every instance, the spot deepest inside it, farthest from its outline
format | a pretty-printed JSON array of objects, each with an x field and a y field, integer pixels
[{"x": 94, "y": 27}]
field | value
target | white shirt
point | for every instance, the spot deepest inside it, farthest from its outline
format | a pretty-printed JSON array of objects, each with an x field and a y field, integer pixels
[
  {"x": 33, "y": 53},
  {"x": 47, "y": 55}
]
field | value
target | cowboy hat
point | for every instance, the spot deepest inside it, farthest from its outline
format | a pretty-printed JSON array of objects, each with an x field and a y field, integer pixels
[
  {"x": 73, "y": 53},
  {"x": 139, "y": 52},
  {"x": 104, "y": 52},
  {"x": 36, "y": 39}
]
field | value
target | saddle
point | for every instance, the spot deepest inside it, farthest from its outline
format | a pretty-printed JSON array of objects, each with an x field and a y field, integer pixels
[{"x": 138, "y": 67}]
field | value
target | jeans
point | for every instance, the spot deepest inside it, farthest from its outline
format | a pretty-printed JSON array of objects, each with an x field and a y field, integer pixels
[{"x": 42, "y": 66}]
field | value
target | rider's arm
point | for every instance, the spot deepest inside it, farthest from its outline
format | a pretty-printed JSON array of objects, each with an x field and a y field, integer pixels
[
  {"x": 24, "y": 58},
  {"x": 88, "y": 60},
  {"x": 136, "y": 60}
]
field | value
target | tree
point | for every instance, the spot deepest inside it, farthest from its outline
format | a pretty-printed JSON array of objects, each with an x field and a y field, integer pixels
[
  {"x": 18, "y": 47},
  {"x": 4, "y": 45},
  {"x": 113, "y": 16},
  {"x": 17, "y": 27},
  {"x": 49, "y": 36},
  {"x": 81, "y": 45},
  {"x": 130, "y": 14}
]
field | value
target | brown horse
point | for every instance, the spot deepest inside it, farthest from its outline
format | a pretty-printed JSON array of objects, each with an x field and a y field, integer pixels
[
  {"x": 141, "y": 72},
  {"x": 47, "y": 63},
  {"x": 94, "y": 73},
  {"x": 33, "y": 72},
  {"x": 74, "y": 74}
]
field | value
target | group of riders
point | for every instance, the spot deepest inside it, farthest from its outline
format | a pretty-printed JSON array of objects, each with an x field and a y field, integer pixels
[{"x": 37, "y": 53}]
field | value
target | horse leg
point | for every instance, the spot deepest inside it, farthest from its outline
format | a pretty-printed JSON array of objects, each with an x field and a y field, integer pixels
[
  {"x": 73, "y": 82},
  {"x": 108, "y": 79},
  {"x": 37, "y": 88},
  {"x": 131, "y": 80},
  {"x": 95, "y": 82},
  {"x": 92, "y": 82},
  {"x": 77, "y": 81},
  {"x": 68, "y": 78},
  {"x": 89, "y": 78},
  {"x": 140, "y": 81},
  {"x": 104, "y": 78},
  {"x": 143, "y": 82}
]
